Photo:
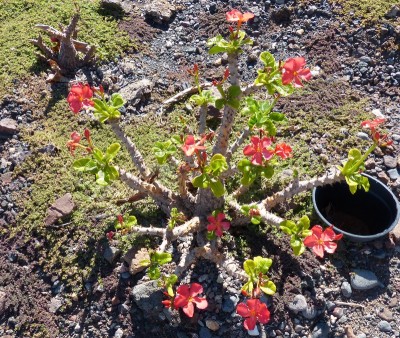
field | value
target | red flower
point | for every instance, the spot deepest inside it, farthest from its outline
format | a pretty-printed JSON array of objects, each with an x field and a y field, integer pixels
[
  {"x": 120, "y": 219},
  {"x": 79, "y": 96},
  {"x": 283, "y": 150},
  {"x": 253, "y": 310},
  {"x": 217, "y": 224},
  {"x": 236, "y": 16},
  {"x": 259, "y": 150},
  {"x": 195, "y": 70},
  {"x": 110, "y": 235},
  {"x": 191, "y": 146},
  {"x": 322, "y": 240},
  {"x": 294, "y": 71},
  {"x": 73, "y": 143},
  {"x": 187, "y": 295},
  {"x": 372, "y": 124}
]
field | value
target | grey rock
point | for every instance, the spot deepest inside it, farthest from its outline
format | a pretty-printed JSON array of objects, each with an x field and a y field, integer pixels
[
  {"x": 365, "y": 59},
  {"x": 338, "y": 312},
  {"x": 393, "y": 174},
  {"x": 393, "y": 12},
  {"x": 330, "y": 305},
  {"x": 363, "y": 279},
  {"x": 384, "y": 326},
  {"x": 361, "y": 335},
  {"x": 3, "y": 298},
  {"x": 159, "y": 11},
  {"x": 205, "y": 333},
  {"x": 310, "y": 312},
  {"x": 77, "y": 328},
  {"x": 61, "y": 208},
  {"x": 298, "y": 304},
  {"x": 321, "y": 330},
  {"x": 111, "y": 253},
  {"x": 148, "y": 297},
  {"x": 390, "y": 161},
  {"x": 229, "y": 303},
  {"x": 346, "y": 289},
  {"x": 362, "y": 135},
  {"x": 212, "y": 325},
  {"x": 134, "y": 92},
  {"x": 55, "y": 304},
  {"x": 383, "y": 177},
  {"x": 119, "y": 333},
  {"x": 254, "y": 332},
  {"x": 8, "y": 126},
  {"x": 117, "y": 5},
  {"x": 133, "y": 257}
]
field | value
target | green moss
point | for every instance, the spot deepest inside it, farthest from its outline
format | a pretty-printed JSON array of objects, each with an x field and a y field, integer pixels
[
  {"x": 370, "y": 11},
  {"x": 19, "y": 17}
]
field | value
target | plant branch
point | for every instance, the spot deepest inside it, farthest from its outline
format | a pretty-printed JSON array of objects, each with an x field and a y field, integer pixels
[
  {"x": 298, "y": 187},
  {"x": 203, "y": 119},
  {"x": 135, "y": 154},
  {"x": 181, "y": 95},
  {"x": 239, "y": 141}
]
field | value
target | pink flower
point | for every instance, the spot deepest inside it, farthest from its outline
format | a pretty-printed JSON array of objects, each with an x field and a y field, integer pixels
[
  {"x": 79, "y": 96},
  {"x": 187, "y": 295},
  {"x": 217, "y": 224},
  {"x": 191, "y": 146},
  {"x": 259, "y": 150},
  {"x": 253, "y": 310},
  {"x": 372, "y": 124},
  {"x": 294, "y": 71},
  {"x": 283, "y": 150},
  {"x": 73, "y": 143},
  {"x": 236, "y": 16},
  {"x": 110, "y": 235},
  {"x": 322, "y": 240}
]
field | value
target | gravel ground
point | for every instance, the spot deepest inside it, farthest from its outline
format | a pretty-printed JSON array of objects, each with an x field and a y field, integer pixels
[{"x": 354, "y": 294}]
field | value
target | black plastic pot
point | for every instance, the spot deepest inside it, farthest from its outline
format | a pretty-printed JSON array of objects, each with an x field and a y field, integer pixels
[{"x": 362, "y": 217}]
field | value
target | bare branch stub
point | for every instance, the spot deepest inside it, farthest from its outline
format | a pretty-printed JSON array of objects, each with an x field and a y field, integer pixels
[{"x": 68, "y": 54}]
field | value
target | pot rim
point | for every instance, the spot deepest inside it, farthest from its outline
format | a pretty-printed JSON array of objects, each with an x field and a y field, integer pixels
[{"x": 356, "y": 237}]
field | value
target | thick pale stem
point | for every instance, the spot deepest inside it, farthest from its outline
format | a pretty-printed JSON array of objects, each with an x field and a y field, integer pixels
[
  {"x": 242, "y": 138},
  {"x": 203, "y": 119},
  {"x": 161, "y": 195},
  {"x": 298, "y": 187},
  {"x": 228, "y": 118},
  {"x": 135, "y": 154},
  {"x": 188, "y": 91}
]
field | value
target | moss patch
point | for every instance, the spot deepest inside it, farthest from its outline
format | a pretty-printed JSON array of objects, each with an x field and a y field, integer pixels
[{"x": 18, "y": 18}]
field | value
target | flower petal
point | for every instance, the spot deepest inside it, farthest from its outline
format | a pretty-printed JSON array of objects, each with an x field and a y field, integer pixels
[
  {"x": 310, "y": 241},
  {"x": 211, "y": 227},
  {"x": 189, "y": 309},
  {"x": 201, "y": 303},
  {"x": 267, "y": 154},
  {"x": 243, "y": 310},
  {"x": 225, "y": 225},
  {"x": 318, "y": 250},
  {"x": 317, "y": 230},
  {"x": 195, "y": 289},
  {"x": 247, "y": 16},
  {"x": 250, "y": 323},
  {"x": 330, "y": 247},
  {"x": 263, "y": 314},
  {"x": 257, "y": 159},
  {"x": 299, "y": 62},
  {"x": 184, "y": 290},
  {"x": 287, "y": 78},
  {"x": 220, "y": 217},
  {"x": 249, "y": 150},
  {"x": 289, "y": 65},
  {"x": 180, "y": 301}
]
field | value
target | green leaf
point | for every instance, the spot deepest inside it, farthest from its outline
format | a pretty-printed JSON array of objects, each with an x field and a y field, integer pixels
[
  {"x": 277, "y": 117},
  {"x": 101, "y": 178},
  {"x": 217, "y": 188},
  {"x": 234, "y": 103},
  {"x": 268, "y": 59},
  {"x": 85, "y": 164},
  {"x": 288, "y": 227},
  {"x": 117, "y": 100},
  {"x": 131, "y": 221},
  {"x": 234, "y": 91},
  {"x": 267, "y": 171},
  {"x": 250, "y": 268},
  {"x": 217, "y": 165},
  {"x": 297, "y": 245},
  {"x": 262, "y": 264},
  {"x": 162, "y": 257},
  {"x": 98, "y": 155},
  {"x": 219, "y": 103},
  {"x": 154, "y": 272},
  {"x": 112, "y": 151},
  {"x": 145, "y": 262},
  {"x": 303, "y": 224},
  {"x": 111, "y": 172},
  {"x": 201, "y": 181},
  {"x": 268, "y": 288},
  {"x": 255, "y": 220}
]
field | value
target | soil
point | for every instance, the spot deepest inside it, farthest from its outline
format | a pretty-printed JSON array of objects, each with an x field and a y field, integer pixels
[{"x": 104, "y": 304}]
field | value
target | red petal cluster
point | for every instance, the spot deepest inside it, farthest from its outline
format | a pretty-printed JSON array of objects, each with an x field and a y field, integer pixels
[
  {"x": 80, "y": 97},
  {"x": 283, "y": 150},
  {"x": 218, "y": 224},
  {"x": 322, "y": 240},
  {"x": 253, "y": 310},
  {"x": 236, "y": 16},
  {"x": 73, "y": 143},
  {"x": 186, "y": 297},
  {"x": 294, "y": 72},
  {"x": 191, "y": 145},
  {"x": 258, "y": 150}
]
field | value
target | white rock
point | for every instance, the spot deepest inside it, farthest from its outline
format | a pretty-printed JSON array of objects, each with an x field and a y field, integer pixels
[{"x": 254, "y": 332}]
